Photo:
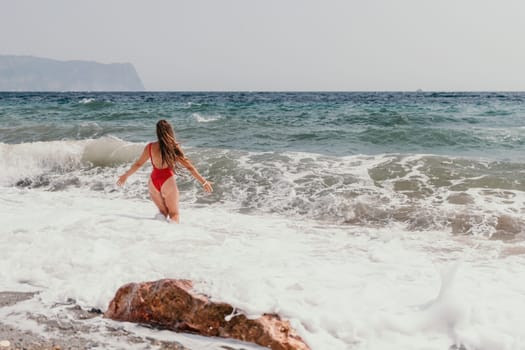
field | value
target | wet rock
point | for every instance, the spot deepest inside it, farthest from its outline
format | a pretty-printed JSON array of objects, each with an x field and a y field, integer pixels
[
  {"x": 172, "y": 304},
  {"x": 11, "y": 298}
]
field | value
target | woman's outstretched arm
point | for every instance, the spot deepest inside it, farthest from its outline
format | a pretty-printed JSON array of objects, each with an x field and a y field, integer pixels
[
  {"x": 188, "y": 165},
  {"x": 136, "y": 166}
]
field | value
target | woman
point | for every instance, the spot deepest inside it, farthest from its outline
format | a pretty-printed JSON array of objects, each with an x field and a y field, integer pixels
[{"x": 165, "y": 156}]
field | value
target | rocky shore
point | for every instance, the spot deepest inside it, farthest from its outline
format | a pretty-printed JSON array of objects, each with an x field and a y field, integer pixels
[
  {"x": 68, "y": 326},
  {"x": 174, "y": 304},
  {"x": 71, "y": 332}
]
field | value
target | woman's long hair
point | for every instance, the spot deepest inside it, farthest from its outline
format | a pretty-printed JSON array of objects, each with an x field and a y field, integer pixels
[{"x": 170, "y": 150}]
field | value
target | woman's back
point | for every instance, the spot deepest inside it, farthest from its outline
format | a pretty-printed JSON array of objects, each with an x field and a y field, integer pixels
[{"x": 156, "y": 158}]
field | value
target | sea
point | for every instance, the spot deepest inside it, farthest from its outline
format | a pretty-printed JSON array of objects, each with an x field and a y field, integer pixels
[{"x": 369, "y": 220}]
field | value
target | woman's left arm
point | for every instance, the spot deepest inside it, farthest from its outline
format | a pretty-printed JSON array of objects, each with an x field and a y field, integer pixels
[{"x": 191, "y": 168}]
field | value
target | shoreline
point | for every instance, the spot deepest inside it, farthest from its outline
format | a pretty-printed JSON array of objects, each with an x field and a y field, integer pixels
[{"x": 74, "y": 333}]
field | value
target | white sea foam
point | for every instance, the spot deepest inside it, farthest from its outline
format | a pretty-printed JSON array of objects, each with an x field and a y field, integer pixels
[
  {"x": 86, "y": 100},
  {"x": 27, "y": 160},
  {"x": 31, "y": 159},
  {"x": 366, "y": 190},
  {"x": 341, "y": 287},
  {"x": 205, "y": 119}
]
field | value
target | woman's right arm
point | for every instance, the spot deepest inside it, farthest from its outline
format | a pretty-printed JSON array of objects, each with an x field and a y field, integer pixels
[
  {"x": 136, "y": 166},
  {"x": 188, "y": 165}
]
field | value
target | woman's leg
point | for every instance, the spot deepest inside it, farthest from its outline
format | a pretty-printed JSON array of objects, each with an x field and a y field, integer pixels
[
  {"x": 170, "y": 194},
  {"x": 156, "y": 197}
]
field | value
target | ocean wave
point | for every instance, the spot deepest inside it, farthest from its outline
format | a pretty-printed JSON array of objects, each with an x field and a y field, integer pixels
[
  {"x": 205, "y": 119},
  {"x": 86, "y": 100},
  {"x": 33, "y": 163},
  {"x": 110, "y": 151},
  {"x": 93, "y": 103},
  {"x": 422, "y": 192}
]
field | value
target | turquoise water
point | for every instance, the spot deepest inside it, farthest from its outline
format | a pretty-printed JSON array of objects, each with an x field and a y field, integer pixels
[
  {"x": 339, "y": 124},
  {"x": 451, "y": 161}
]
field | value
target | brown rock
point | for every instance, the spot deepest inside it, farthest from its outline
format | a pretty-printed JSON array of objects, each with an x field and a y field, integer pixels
[{"x": 172, "y": 304}]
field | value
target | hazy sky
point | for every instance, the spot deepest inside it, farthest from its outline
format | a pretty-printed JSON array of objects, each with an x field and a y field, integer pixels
[{"x": 282, "y": 44}]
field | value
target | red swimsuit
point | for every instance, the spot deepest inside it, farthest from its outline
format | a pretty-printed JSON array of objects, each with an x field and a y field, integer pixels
[{"x": 159, "y": 176}]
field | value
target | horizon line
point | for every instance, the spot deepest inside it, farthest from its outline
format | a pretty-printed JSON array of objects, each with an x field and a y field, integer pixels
[{"x": 264, "y": 91}]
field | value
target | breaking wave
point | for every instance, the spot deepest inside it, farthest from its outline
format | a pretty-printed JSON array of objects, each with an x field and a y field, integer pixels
[{"x": 420, "y": 192}]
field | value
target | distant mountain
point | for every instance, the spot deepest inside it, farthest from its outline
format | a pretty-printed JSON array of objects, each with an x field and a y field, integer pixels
[{"x": 27, "y": 73}]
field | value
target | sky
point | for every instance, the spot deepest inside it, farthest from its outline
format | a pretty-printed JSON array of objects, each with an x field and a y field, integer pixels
[{"x": 282, "y": 45}]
